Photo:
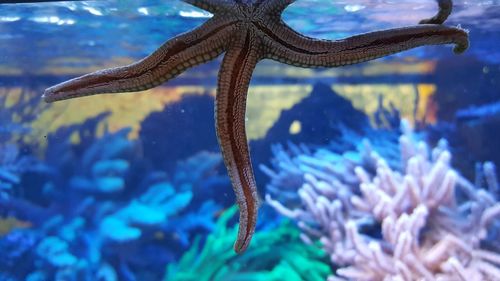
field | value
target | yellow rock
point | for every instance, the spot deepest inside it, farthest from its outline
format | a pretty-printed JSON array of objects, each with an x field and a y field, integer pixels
[
  {"x": 265, "y": 104},
  {"x": 402, "y": 96},
  {"x": 127, "y": 109}
]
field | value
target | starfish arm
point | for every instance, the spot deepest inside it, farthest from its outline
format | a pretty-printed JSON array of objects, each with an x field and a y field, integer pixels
[
  {"x": 285, "y": 45},
  {"x": 212, "y": 6},
  {"x": 174, "y": 57},
  {"x": 445, "y": 8},
  {"x": 234, "y": 79}
]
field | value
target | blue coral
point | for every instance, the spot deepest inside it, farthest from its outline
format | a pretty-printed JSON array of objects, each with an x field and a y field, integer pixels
[
  {"x": 153, "y": 208},
  {"x": 98, "y": 209}
]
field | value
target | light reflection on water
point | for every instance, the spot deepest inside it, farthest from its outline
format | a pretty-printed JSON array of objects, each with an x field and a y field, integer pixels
[{"x": 96, "y": 29}]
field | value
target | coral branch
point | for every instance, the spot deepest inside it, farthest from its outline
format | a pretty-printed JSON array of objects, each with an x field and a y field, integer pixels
[{"x": 432, "y": 220}]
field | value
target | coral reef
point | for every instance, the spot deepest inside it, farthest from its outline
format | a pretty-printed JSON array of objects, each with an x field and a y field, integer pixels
[
  {"x": 320, "y": 115},
  {"x": 334, "y": 162},
  {"x": 379, "y": 221},
  {"x": 324, "y": 117},
  {"x": 99, "y": 211},
  {"x": 86, "y": 202},
  {"x": 277, "y": 254}
]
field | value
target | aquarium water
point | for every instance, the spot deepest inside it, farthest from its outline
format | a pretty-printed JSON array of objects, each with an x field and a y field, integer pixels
[{"x": 378, "y": 170}]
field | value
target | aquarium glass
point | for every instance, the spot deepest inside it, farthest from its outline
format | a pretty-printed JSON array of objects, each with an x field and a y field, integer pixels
[{"x": 379, "y": 170}]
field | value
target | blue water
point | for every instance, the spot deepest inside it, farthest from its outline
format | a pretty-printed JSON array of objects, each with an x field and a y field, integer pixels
[
  {"x": 132, "y": 187},
  {"x": 87, "y": 26}
]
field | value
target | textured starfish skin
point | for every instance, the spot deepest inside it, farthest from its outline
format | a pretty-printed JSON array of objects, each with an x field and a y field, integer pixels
[{"x": 249, "y": 31}]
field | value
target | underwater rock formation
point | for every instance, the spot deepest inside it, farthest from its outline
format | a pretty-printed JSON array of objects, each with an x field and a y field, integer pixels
[
  {"x": 320, "y": 114},
  {"x": 464, "y": 81},
  {"x": 476, "y": 129},
  {"x": 473, "y": 136},
  {"x": 419, "y": 221},
  {"x": 323, "y": 117},
  {"x": 467, "y": 97},
  {"x": 182, "y": 129}
]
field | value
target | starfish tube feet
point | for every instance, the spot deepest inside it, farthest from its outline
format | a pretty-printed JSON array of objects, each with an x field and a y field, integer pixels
[
  {"x": 234, "y": 80},
  {"x": 445, "y": 8}
]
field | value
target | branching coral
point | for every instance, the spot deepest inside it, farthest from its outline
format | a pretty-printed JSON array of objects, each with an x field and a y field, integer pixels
[
  {"x": 426, "y": 223},
  {"x": 294, "y": 166},
  {"x": 277, "y": 255},
  {"x": 153, "y": 208},
  {"x": 99, "y": 212}
]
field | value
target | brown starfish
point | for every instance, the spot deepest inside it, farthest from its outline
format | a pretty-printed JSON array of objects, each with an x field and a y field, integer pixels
[{"x": 249, "y": 31}]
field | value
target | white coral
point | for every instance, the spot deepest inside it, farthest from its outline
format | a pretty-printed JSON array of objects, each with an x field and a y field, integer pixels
[
  {"x": 426, "y": 182},
  {"x": 406, "y": 258},
  {"x": 427, "y": 233}
]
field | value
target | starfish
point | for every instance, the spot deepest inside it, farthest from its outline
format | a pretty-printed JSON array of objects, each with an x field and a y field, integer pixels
[{"x": 248, "y": 31}]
